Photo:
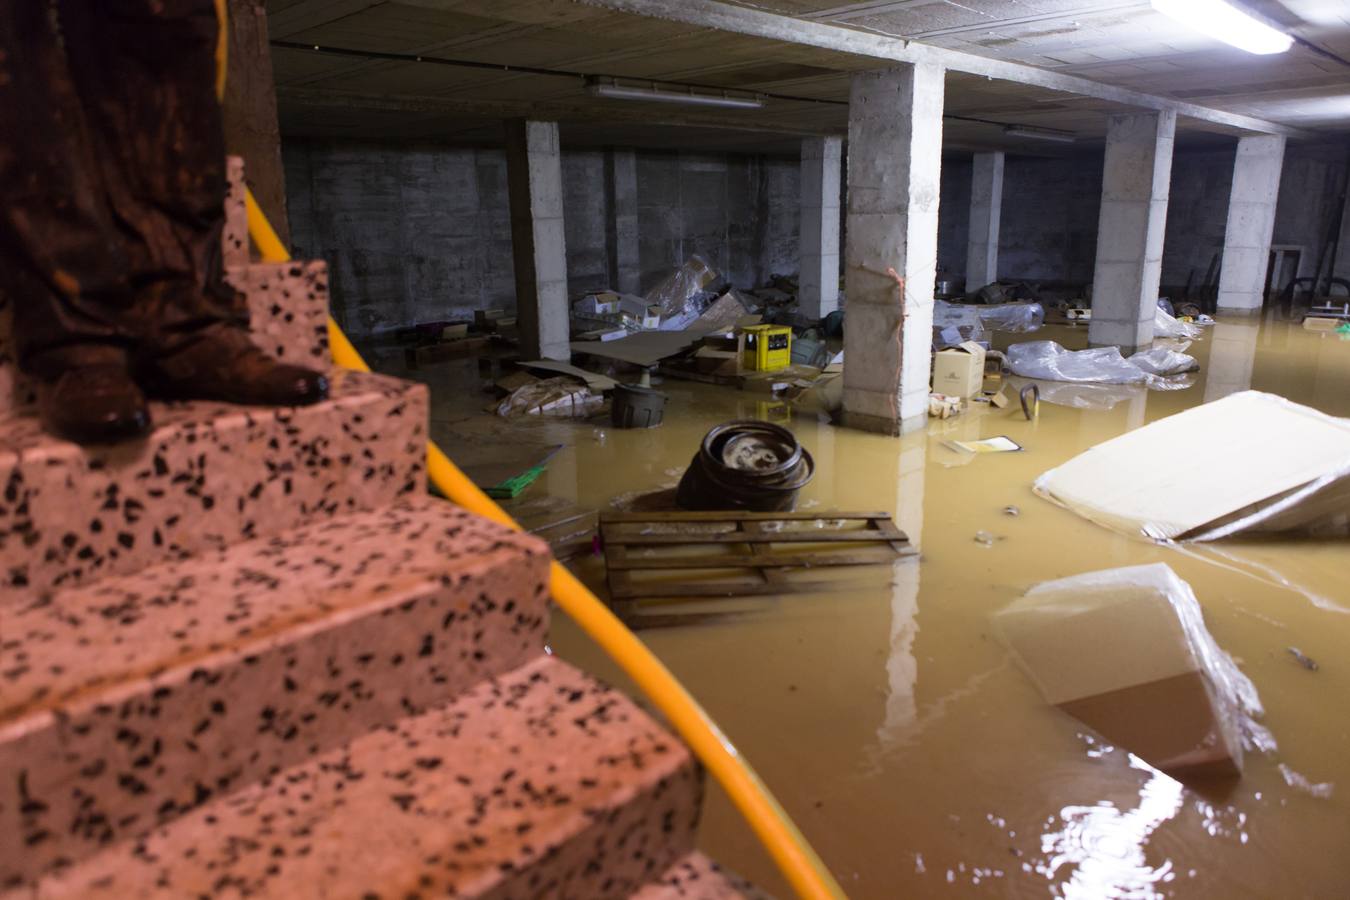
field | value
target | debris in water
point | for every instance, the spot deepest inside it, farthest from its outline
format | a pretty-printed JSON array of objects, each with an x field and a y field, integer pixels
[
  {"x": 985, "y": 538},
  {"x": 1000, "y": 444},
  {"x": 1322, "y": 790},
  {"x": 1012, "y": 511},
  {"x": 1094, "y": 643},
  {"x": 1303, "y": 659}
]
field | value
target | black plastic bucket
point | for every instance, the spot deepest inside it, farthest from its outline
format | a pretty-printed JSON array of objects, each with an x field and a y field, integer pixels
[{"x": 637, "y": 407}]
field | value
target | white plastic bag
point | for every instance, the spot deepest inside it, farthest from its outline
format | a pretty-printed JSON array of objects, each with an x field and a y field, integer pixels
[
  {"x": 1165, "y": 326},
  {"x": 1100, "y": 365},
  {"x": 1163, "y": 361}
]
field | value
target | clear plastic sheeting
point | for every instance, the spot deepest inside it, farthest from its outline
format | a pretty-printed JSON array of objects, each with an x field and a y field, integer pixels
[
  {"x": 1166, "y": 326},
  {"x": 1084, "y": 396},
  {"x": 964, "y": 318},
  {"x": 1154, "y": 368},
  {"x": 1126, "y": 651},
  {"x": 1017, "y": 317},
  {"x": 678, "y": 294},
  {"x": 1164, "y": 362},
  {"x": 1270, "y": 466}
]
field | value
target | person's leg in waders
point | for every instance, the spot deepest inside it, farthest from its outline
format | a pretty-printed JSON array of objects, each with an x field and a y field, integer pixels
[{"x": 110, "y": 126}]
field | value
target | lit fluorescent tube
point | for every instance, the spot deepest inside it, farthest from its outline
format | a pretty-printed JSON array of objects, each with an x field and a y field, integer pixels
[{"x": 1225, "y": 22}]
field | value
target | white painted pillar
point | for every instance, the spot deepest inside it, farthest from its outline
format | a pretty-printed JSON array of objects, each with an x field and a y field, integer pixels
[
  {"x": 534, "y": 182},
  {"x": 1133, "y": 220},
  {"x": 621, "y": 168},
  {"x": 1251, "y": 221},
  {"x": 986, "y": 202},
  {"x": 894, "y": 163},
  {"x": 818, "y": 288}
]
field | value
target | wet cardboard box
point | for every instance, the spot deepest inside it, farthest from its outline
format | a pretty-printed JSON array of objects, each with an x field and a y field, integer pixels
[
  {"x": 1119, "y": 660},
  {"x": 959, "y": 371}
]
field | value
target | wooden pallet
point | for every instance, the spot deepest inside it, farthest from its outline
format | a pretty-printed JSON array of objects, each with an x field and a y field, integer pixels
[{"x": 738, "y": 554}]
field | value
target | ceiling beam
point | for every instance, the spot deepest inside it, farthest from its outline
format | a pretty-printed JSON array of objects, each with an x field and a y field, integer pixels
[
  {"x": 720, "y": 16},
  {"x": 550, "y": 110}
]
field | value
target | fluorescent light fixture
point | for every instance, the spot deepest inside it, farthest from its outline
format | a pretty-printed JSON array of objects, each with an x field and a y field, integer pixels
[
  {"x": 688, "y": 97},
  {"x": 1039, "y": 134},
  {"x": 1226, "y": 22}
]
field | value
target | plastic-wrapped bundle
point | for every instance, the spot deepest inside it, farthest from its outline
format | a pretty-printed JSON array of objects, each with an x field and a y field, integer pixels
[
  {"x": 1100, "y": 365},
  {"x": 678, "y": 293},
  {"x": 1012, "y": 317},
  {"x": 1127, "y": 652}
]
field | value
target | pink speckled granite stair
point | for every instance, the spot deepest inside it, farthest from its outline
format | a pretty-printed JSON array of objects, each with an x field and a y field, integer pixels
[
  {"x": 126, "y": 703},
  {"x": 209, "y": 475},
  {"x": 696, "y": 877},
  {"x": 543, "y": 783},
  {"x": 287, "y": 309}
]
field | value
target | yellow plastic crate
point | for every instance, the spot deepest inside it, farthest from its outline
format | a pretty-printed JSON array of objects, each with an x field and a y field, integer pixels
[{"x": 768, "y": 348}]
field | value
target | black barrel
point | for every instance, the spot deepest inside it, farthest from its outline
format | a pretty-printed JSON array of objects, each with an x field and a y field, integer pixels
[{"x": 748, "y": 465}]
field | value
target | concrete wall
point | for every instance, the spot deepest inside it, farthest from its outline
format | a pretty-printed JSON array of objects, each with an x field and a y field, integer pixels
[
  {"x": 1049, "y": 218},
  {"x": 1050, "y": 209},
  {"x": 423, "y": 233}
]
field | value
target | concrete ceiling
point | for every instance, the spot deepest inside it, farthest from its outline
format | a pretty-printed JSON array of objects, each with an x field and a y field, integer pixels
[{"x": 1117, "y": 42}]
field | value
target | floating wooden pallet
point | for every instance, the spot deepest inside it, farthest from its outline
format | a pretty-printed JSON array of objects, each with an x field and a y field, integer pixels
[{"x": 730, "y": 546}]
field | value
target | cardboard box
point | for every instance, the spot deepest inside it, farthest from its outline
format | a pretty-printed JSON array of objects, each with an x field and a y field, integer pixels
[
  {"x": 1121, "y": 658},
  {"x": 637, "y": 309},
  {"x": 602, "y": 303},
  {"x": 959, "y": 371}
]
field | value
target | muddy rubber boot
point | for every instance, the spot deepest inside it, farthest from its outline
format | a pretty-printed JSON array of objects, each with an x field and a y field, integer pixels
[
  {"x": 223, "y": 364},
  {"x": 93, "y": 404}
]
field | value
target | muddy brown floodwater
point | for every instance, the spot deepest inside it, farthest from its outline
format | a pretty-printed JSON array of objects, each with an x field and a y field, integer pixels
[{"x": 895, "y": 728}]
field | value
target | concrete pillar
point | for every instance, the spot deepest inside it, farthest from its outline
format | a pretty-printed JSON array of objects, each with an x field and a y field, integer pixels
[
  {"x": 621, "y": 174},
  {"x": 1135, "y": 183},
  {"x": 534, "y": 182},
  {"x": 818, "y": 288},
  {"x": 986, "y": 202},
  {"x": 1251, "y": 221},
  {"x": 894, "y": 162}
]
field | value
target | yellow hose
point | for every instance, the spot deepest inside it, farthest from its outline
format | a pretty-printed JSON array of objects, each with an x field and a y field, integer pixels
[{"x": 794, "y": 857}]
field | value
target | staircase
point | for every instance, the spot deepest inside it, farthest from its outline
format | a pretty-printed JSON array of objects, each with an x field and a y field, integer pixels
[{"x": 249, "y": 656}]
